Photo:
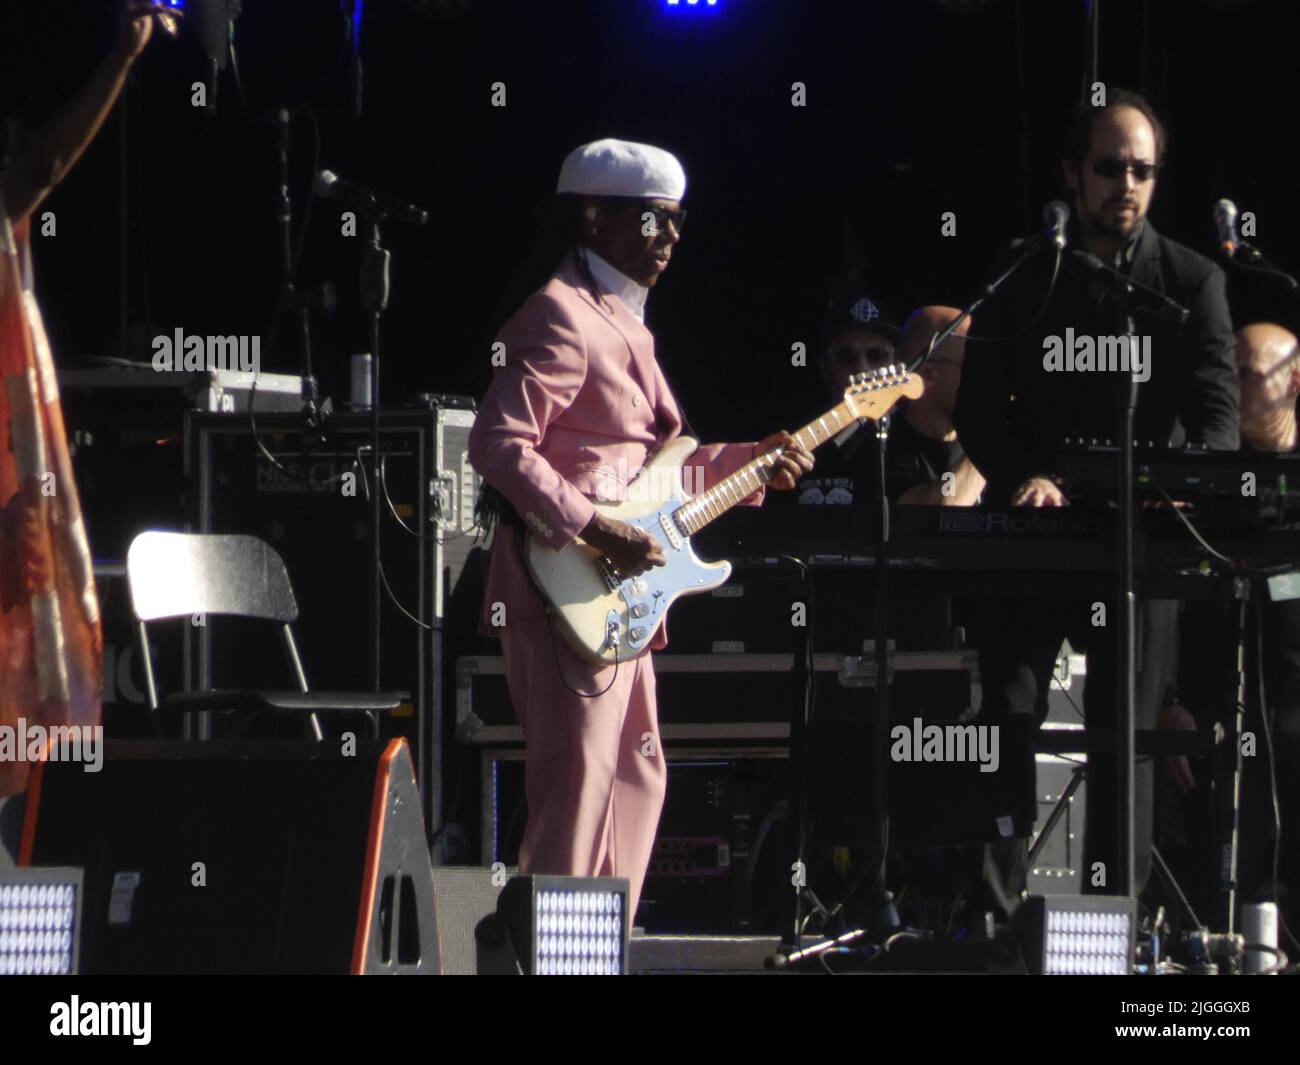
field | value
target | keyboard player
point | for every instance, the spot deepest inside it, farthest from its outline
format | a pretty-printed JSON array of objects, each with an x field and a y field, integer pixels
[{"x": 1012, "y": 411}]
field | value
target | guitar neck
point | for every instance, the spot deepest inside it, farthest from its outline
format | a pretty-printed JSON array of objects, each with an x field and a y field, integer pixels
[{"x": 713, "y": 502}]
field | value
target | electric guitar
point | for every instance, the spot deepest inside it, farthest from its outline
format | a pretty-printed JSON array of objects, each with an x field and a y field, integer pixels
[{"x": 609, "y": 618}]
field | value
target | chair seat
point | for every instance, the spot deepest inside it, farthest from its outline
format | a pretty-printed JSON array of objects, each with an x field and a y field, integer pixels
[{"x": 287, "y": 702}]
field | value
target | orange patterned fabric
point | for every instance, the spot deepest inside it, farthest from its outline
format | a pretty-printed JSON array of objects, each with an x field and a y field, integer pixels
[{"x": 51, "y": 646}]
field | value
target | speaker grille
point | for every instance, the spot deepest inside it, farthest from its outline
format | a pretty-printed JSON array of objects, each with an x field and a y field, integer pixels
[{"x": 465, "y": 895}]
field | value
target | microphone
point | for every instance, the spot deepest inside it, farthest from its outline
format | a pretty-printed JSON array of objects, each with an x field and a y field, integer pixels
[
  {"x": 1225, "y": 225},
  {"x": 1057, "y": 215},
  {"x": 372, "y": 205},
  {"x": 1135, "y": 296},
  {"x": 1242, "y": 252}
]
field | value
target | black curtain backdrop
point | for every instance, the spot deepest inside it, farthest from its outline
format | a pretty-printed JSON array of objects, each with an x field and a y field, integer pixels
[{"x": 914, "y": 108}]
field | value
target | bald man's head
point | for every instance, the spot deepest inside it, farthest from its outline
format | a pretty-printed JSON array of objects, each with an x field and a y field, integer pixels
[
  {"x": 1268, "y": 364},
  {"x": 942, "y": 374},
  {"x": 920, "y": 327}
]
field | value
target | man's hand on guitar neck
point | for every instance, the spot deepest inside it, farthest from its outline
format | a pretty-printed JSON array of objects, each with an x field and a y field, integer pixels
[
  {"x": 633, "y": 551},
  {"x": 793, "y": 462}
]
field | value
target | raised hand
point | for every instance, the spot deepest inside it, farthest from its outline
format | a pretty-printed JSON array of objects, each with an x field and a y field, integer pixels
[{"x": 135, "y": 26}]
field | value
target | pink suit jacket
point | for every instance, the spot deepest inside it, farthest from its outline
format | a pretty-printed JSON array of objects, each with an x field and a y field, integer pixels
[{"x": 572, "y": 416}]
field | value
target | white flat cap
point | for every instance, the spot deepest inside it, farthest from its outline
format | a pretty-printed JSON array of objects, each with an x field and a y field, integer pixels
[{"x": 622, "y": 168}]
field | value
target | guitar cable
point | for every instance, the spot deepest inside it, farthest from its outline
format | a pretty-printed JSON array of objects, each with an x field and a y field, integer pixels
[{"x": 555, "y": 651}]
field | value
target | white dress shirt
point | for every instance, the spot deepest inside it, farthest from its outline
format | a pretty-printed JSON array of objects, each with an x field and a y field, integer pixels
[{"x": 616, "y": 283}]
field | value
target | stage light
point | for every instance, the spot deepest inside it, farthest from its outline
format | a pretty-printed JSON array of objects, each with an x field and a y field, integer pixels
[
  {"x": 692, "y": 3},
  {"x": 40, "y": 920},
  {"x": 1283, "y": 587},
  {"x": 557, "y": 926},
  {"x": 1078, "y": 935}
]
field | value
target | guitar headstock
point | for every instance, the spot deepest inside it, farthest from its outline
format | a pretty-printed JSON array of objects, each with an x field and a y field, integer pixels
[{"x": 873, "y": 393}]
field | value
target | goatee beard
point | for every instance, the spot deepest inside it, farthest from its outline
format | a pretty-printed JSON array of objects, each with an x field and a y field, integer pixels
[{"x": 1101, "y": 227}]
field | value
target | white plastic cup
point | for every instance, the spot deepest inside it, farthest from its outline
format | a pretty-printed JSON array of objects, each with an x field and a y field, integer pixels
[{"x": 1259, "y": 925}]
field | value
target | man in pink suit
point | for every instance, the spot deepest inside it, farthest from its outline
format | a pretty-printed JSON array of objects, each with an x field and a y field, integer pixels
[{"x": 578, "y": 407}]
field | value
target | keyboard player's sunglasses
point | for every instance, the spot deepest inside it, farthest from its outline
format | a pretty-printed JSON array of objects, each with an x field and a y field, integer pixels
[{"x": 1115, "y": 168}]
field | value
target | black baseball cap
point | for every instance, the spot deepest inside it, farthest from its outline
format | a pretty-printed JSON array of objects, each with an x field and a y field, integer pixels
[{"x": 859, "y": 310}]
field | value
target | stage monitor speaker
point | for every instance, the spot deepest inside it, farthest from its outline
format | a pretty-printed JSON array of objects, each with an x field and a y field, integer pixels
[
  {"x": 465, "y": 894},
  {"x": 242, "y": 857}
]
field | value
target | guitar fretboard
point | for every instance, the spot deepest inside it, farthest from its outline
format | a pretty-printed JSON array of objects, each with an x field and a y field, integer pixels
[{"x": 713, "y": 502}]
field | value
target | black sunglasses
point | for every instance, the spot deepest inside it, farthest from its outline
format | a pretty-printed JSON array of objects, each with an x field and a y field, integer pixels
[
  {"x": 662, "y": 215},
  {"x": 1115, "y": 168}
]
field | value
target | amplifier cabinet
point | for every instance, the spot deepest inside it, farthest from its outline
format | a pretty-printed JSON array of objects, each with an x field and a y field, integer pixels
[
  {"x": 721, "y": 824},
  {"x": 311, "y": 506},
  {"x": 1059, "y": 869}
]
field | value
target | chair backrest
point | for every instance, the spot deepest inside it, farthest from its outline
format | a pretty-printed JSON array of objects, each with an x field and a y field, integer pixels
[{"x": 174, "y": 574}]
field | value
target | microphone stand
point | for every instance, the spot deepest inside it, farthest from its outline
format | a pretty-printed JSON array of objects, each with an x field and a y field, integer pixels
[
  {"x": 1251, "y": 258},
  {"x": 291, "y": 299},
  {"x": 1026, "y": 250},
  {"x": 1126, "y": 636},
  {"x": 886, "y": 917},
  {"x": 374, "y": 285},
  {"x": 1127, "y": 297},
  {"x": 375, "y": 262}
]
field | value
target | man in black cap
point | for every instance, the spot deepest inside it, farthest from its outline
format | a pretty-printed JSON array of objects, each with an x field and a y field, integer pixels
[{"x": 925, "y": 462}]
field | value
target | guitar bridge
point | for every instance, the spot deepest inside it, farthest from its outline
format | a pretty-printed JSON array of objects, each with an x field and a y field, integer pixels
[{"x": 608, "y": 573}]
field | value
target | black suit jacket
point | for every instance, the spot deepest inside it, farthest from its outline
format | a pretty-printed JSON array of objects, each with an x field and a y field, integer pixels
[{"x": 1012, "y": 414}]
